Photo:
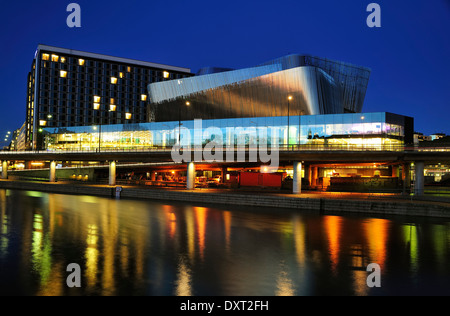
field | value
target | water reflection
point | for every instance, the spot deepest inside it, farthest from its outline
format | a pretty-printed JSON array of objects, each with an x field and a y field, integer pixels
[
  {"x": 184, "y": 279},
  {"x": 151, "y": 248},
  {"x": 332, "y": 229},
  {"x": 4, "y": 225},
  {"x": 91, "y": 255}
]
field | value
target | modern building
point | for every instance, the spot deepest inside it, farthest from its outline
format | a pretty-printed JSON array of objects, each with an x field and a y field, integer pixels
[
  {"x": 437, "y": 136},
  {"x": 17, "y": 139},
  {"x": 297, "y": 99},
  {"x": 350, "y": 131},
  {"x": 73, "y": 88},
  {"x": 290, "y": 85},
  {"x": 420, "y": 137}
]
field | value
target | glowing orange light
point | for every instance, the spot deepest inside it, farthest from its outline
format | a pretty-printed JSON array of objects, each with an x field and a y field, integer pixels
[
  {"x": 332, "y": 226},
  {"x": 376, "y": 233},
  {"x": 200, "y": 215}
]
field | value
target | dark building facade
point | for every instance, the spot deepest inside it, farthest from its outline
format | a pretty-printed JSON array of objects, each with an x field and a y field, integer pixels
[
  {"x": 290, "y": 85},
  {"x": 74, "y": 88}
]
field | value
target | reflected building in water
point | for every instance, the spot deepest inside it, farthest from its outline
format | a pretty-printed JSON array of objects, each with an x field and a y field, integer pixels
[{"x": 146, "y": 248}]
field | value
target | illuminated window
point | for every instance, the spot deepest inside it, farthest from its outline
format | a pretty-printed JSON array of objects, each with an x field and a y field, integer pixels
[
  {"x": 42, "y": 123},
  {"x": 121, "y": 75},
  {"x": 63, "y": 73},
  {"x": 143, "y": 97},
  {"x": 112, "y": 107},
  {"x": 81, "y": 62},
  {"x": 129, "y": 69},
  {"x": 113, "y": 80},
  {"x": 96, "y": 99},
  {"x": 63, "y": 59},
  {"x": 45, "y": 56},
  {"x": 55, "y": 58},
  {"x": 128, "y": 116},
  {"x": 166, "y": 74},
  {"x": 96, "y": 106},
  {"x": 112, "y": 101}
]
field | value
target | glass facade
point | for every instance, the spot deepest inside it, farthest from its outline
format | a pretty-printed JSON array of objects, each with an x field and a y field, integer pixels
[{"x": 375, "y": 131}]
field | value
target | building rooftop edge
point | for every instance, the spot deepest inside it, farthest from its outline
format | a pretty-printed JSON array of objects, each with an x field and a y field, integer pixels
[{"x": 111, "y": 58}]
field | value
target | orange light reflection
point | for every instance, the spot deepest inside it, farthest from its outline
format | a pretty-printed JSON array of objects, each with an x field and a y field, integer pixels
[{"x": 333, "y": 226}]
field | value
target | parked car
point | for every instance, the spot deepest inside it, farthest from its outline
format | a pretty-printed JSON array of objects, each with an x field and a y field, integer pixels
[
  {"x": 201, "y": 182},
  {"x": 214, "y": 181}
]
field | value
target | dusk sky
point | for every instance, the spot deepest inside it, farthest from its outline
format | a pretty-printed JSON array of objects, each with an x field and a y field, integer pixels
[{"x": 409, "y": 55}]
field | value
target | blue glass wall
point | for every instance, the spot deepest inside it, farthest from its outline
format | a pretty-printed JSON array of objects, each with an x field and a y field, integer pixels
[{"x": 368, "y": 129}]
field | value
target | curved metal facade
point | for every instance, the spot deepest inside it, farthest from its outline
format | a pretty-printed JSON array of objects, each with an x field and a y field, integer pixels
[{"x": 317, "y": 86}]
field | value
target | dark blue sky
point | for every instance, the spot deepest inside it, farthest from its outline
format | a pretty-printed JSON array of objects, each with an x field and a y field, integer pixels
[{"x": 409, "y": 55}]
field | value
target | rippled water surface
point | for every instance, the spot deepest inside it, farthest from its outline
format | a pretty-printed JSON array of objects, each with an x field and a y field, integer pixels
[{"x": 128, "y": 247}]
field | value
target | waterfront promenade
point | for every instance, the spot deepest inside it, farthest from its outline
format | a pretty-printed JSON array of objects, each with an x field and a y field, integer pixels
[{"x": 378, "y": 204}]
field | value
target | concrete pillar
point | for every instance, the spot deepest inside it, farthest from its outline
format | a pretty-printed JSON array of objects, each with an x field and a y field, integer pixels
[
  {"x": 420, "y": 178},
  {"x": 309, "y": 175},
  {"x": 112, "y": 173},
  {"x": 4, "y": 170},
  {"x": 52, "y": 176},
  {"x": 406, "y": 177},
  {"x": 395, "y": 171},
  {"x": 315, "y": 174},
  {"x": 297, "y": 180},
  {"x": 223, "y": 173},
  {"x": 190, "y": 177},
  {"x": 153, "y": 176}
]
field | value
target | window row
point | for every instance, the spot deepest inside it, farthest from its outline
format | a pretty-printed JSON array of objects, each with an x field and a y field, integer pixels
[
  {"x": 54, "y": 60},
  {"x": 104, "y": 76},
  {"x": 91, "y": 89},
  {"x": 80, "y": 121},
  {"x": 65, "y": 79},
  {"x": 69, "y": 95},
  {"x": 45, "y": 110}
]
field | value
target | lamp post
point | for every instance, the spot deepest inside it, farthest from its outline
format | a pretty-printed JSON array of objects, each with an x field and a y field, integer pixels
[
  {"x": 98, "y": 107},
  {"x": 362, "y": 125},
  {"x": 100, "y": 130},
  {"x": 299, "y": 128},
  {"x": 179, "y": 122},
  {"x": 289, "y": 101},
  {"x": 179, "y": 114}
]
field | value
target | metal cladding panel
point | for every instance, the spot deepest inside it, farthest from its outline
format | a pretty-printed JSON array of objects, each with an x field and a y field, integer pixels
[
  {"x": 352, "y": 79},
  {"x": 313, "y": 92},
  {"x": 170, "y": 90}
]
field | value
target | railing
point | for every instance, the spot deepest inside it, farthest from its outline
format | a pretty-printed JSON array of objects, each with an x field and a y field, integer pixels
[
  {"x": 235, "y": 148},
  {"x": 283, "y": 148}
]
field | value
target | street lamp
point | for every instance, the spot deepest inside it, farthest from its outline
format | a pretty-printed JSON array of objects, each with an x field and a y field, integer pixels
[
  {"x": 179, "y": 123},
  {"x": 362, "y": 126},
  {"x": 289, "y": 101},
  {"x": 98, "y": 107}
]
